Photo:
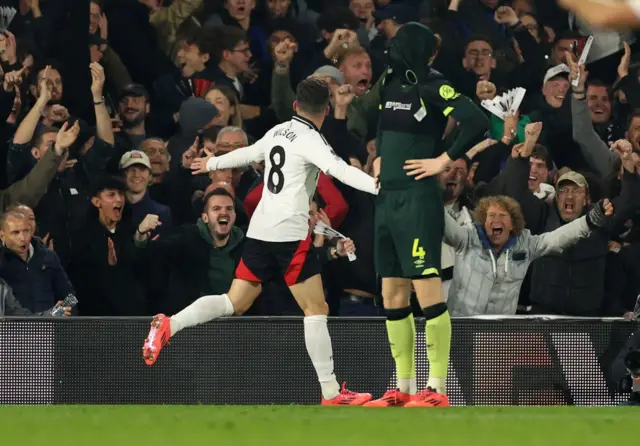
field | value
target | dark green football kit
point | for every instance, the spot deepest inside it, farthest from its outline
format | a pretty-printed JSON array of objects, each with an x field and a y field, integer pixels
[{"x": 415, "y": 105}]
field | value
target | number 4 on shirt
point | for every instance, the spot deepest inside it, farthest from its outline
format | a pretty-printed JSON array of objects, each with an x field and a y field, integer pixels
[{"x": 418, "y": 251}]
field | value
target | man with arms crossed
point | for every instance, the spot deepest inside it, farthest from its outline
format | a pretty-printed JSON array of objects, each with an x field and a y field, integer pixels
[
  {"x": 416, "y": 103},
  {"x": 278, "y": 239}
]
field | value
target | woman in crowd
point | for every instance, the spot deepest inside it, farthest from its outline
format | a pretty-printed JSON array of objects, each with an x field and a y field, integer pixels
[
  {"x": 228, "y": 105},
  {"x": 492, "y": 256}
]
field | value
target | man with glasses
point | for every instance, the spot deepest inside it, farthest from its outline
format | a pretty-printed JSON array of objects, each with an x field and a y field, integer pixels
[
  {"x": 232, "y": 58},
  {"x": 228, "y": 139},
  {"x": 231, "y": 138},
  {"x": 478, "y": 57},
  {"x": 480, "y": 60},
  {"x": 243, "y": 180}
]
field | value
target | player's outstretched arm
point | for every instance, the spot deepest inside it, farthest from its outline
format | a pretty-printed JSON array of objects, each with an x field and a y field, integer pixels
[
  {"x": 352, "y": 176},
  {"x": 569, "y": 234},
  {"x": 456, "y": 235},
  {"x": 472, "y": 121},
  {"x": 331, "y": 164},
  {"x": 237, "y": 158}
]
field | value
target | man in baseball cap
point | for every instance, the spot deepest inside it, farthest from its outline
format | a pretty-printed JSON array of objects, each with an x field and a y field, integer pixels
[
  {"x": 134, "y": 90},
  {"x": 572, "y": 195},
  {"x": 329, "y": 74},
  {"x": 133, "y": 108},
  {"x": 136, "y": 169},
  {"x": 134, "y": 157},
  {"x": 556, "y": 85}
]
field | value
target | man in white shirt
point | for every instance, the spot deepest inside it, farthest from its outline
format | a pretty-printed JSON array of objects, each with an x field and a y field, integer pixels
[{"x": 278, "y": 239}]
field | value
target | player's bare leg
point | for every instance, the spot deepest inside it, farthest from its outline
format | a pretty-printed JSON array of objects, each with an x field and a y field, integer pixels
[
  {"x": 401, "y": 330},
  {"x": 309, "y": 295},
  {"x": 438, "y": 335},
  {"x": 207, "y": 308}
]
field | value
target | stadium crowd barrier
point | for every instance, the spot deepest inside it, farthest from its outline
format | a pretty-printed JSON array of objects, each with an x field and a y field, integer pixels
[{"x": 494, "y": 361}]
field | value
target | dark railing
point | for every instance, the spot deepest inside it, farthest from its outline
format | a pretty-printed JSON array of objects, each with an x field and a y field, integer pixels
[{"x": 494, "y": 361}]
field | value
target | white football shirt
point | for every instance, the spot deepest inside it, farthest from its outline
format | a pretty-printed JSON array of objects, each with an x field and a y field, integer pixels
[{"x": 294, "y": 153}]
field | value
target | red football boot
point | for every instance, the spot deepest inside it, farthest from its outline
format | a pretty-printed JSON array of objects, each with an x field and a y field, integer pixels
[
  {"x": 347, "y": 398},
  {"x": 158, "y": 337}
]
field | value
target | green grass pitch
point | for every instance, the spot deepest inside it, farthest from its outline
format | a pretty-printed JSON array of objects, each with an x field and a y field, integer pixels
[{"x": 310, "y": 426}]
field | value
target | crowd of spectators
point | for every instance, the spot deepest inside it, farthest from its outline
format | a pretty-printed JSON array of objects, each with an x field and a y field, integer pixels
[{"x": 105, "y": 103}]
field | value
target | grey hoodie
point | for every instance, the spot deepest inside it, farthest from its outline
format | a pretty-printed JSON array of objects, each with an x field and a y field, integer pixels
[
  {"x": 595, "y": 150},
  {"x": 486, "y": 282}
]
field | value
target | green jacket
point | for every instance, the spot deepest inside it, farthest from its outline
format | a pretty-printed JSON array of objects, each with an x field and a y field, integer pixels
[
  {"x": 32, "y": 188},
  {"x": 186, "y": 265},
  {"x": 222, "y": 262},
  {"x": 497, "y": 128},
  {"x": 359, "y": 112}
]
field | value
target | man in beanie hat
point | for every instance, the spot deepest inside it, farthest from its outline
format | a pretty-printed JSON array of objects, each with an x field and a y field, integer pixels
[{"x": 416, "y": 103}]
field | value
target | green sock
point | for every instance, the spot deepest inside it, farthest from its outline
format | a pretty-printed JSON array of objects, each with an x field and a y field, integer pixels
[
  {"x": 402, "y": 339},
  {"x": 438, "y": 346}
]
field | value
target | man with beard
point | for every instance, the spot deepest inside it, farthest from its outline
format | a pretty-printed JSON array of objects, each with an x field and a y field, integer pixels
[
  {"x": 52, "y": 113},
  {"x": 133, "y": 108},
  {"x": 278, "y": 239},
  {"x": 200, "y": 259},
  {"x": 103, "y": 268}
]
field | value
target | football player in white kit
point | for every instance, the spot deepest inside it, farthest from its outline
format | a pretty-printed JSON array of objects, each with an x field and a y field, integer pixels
[{"x": 278, "y": 239}]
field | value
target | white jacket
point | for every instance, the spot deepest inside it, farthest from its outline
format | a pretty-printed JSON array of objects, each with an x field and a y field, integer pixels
[{"x": 448, "y": 254}]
